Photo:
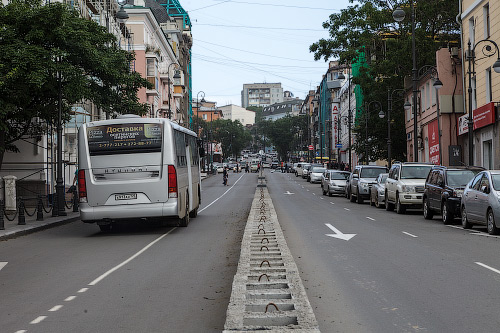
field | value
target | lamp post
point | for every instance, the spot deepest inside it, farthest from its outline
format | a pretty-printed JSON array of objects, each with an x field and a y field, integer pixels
[
  {"x": 59, "y": 210},
  {"x": 471, "y": 58},
  {"x": 399, "y": 15},
  {"x": 367, "y": 112},
  {"x": 389, "y": 110},
  {"x": 176, "y": 76}
]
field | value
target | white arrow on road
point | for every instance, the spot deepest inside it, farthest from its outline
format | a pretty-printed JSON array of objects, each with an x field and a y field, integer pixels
[
  {"x": 288, "y": 193},
  {"x": 2, "y": 265},
  {"x": 338, "y": 234}
]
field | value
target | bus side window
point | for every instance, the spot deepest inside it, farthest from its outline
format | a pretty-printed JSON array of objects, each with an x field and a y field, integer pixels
[{"x": 180, "y": 148}]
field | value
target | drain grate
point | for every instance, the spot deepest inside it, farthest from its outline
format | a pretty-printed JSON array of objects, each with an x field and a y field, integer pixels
[{"x": 267, "y": 290}]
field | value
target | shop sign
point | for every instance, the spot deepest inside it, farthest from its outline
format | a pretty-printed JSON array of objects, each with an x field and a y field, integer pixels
[
  {"x": 433, "y": 133},
  {"x": 483, "y": 116}
]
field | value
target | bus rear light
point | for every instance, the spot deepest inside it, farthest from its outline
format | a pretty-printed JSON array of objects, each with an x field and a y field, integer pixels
[
  {"x": 172, "y": 182},
  {"x": 82, "y": 186}
]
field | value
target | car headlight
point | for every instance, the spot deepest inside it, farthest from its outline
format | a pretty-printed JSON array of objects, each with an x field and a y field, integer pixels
[{"x": 408, "y": 188}]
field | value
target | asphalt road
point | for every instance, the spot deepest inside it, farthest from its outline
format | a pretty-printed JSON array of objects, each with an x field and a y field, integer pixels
[
  {"x": 399, "y": 273},
  {"x": 74, "y": 278}
]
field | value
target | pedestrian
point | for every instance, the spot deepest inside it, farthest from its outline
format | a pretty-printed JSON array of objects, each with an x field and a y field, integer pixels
[
  {"x": 224, "y": 176},
  {"x": 247, "y": 169}
]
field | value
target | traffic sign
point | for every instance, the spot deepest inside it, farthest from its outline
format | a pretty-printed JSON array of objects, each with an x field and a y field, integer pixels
[
  {"x": 338, "y": 145},
  {"x": 311, "y": 147}
]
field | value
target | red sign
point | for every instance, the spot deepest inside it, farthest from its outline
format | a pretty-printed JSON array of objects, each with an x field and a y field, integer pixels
[
  {"x": 484, "y": 116},
  {"x": 433, "y": 135},
  {"x": 311, "y": 147}
]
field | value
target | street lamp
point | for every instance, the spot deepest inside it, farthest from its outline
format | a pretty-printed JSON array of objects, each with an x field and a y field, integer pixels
[
  {"x": 176, "y": 76},
  {"x": 59, "y": 209},
  {"x": 399, "y": 15},
  {"x": 198, "y": 102},
  {"x": 341, "y": 76},
  {"x": 381, "y": 115},
  {"x": 471, "y": 59}
]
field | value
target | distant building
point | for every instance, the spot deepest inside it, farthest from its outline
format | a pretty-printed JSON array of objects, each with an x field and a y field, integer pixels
[
  {"x": 283, "y": 109},
  {"x": 261, "y": 94},
  {"x": 234, "y": 112}
]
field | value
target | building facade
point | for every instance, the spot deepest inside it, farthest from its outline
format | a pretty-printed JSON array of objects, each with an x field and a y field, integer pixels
[
  {"x": 261, "y": 94},
  {"x": 276, "y": 111},
  {"x": 234, "y": 112}
]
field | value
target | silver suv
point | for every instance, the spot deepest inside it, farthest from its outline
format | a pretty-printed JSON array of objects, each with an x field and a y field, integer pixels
[
  {"x": 405, "y": 185},
  {"x": 362, "y": 179}
]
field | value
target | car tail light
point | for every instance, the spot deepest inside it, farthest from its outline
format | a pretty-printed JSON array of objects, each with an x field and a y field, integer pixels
[
  {"x": 172, "y": 182},
  {"x": 82, "y": 186}
]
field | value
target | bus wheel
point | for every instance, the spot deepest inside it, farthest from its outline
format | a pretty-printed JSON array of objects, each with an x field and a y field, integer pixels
[
  {"x": 183, "y": 222},
  {"x": 105, "y": 227},
  {"x": 193, "y": 213}
]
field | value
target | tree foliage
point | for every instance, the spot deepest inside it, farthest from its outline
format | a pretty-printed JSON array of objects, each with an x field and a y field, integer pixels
[
  {"x": 284, "y": 133},
  {"x": 47, "y": 49},
  {"x": 368, "y": 27},
  {"x": 232, "y": 135}
]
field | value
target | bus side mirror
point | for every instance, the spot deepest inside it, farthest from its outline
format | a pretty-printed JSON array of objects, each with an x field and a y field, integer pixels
[{"x": 201, "y": 152}]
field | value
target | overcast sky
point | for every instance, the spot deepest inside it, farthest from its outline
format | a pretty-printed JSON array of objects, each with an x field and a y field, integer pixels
[{"x": 255, "y": 41}]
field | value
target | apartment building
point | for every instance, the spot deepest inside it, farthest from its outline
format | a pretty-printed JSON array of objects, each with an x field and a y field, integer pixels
[
  {"x": 235, "y": 112},
  {"x": 261, "y": 94}
]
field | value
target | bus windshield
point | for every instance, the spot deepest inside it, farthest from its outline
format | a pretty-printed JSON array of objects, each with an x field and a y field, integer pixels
[{"x": 124, "y": 139}]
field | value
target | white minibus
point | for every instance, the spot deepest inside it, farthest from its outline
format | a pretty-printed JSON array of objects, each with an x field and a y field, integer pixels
[{"x": 137, "y": 168}]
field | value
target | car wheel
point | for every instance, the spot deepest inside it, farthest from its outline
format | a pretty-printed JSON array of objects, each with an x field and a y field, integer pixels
[
  {"x": 377, "y": 203},
  {"x": 400, "y": 208},
  {"x": 388, "y": 206},
  {"x": 330, "y": 194},
  {"x": 183, "y": 222},
  {"x": 359, "y": 199},
  {"x": 371, "y": 199},
  {"x": 351, "y": 197},
  {"x": 446, "y": 214},
  {"x": 465, "y": 221},
  {"x": 105, "y": 227},
  {"x": 427, "y": 212},
  {"x": 492, "y": 228}
]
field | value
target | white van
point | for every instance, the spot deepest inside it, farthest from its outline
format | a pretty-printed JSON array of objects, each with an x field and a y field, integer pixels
[{"x": 133, "y": 167}]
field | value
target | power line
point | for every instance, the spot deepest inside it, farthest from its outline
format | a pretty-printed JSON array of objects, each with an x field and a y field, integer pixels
[
  {"x": 275, "y": 5},
  {"x": 256, "y": 27},
  {"x": 216, "y": 4},
  {"x": 261, "y": 64}
]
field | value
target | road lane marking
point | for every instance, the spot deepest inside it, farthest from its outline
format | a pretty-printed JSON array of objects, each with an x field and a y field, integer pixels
[
  {"x": 369, "y": 218},
  {"x": 100, "y": 278},
  {"x": 322, "y": 198},
  {"x": 229, "y": 189},
  {"x": 21, "y": 331},
  {"x": 346, "y": 208},
  {"x": 288, "y": 193},
  {"x": 338, "y": 234},
  {"x": 3, "y": 264},
  {"x": 488, "y": 267},
  {"x": 307, "y": 190},
  {"x": 56, "y": 308},
  {"x": 333, "y": 203},
  {"x": 483, "y": 234},
  {"x": 407, "y": 233},
  {"x": 313, "y": 193},
  {"x": 39, "y": 319},
  {"x": 70, "y": 298},
  {"x": 83, "y": 290}
]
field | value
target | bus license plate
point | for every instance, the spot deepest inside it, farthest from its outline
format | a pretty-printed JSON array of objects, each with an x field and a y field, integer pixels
[{"x": 126, "y": 196}]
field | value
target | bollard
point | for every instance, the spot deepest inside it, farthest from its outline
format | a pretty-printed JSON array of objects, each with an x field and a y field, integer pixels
[
  {"x": 39, "y": 209},
  {"x": 75, "y": 200},
  {"x": 2, "y": 225},
  {"x": 21, "y": 219}
]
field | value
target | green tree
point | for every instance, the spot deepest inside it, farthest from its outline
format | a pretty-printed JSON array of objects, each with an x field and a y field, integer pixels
[
  {"x": 47, "y": 49},
  {"x": 232, "y": 135},
  {"x": 283, "y": 133},
  {"x": 368, "y": 27}
]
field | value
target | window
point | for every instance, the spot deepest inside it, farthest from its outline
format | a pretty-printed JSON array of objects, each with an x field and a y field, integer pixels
[
  {"x": 433, "y": 93},
  {"x": 486, "y": 17},
  {"x": 472, "y": 31},
  {"x": 489, "y": 96},
  {"x": 476, "y": 181},
  {"x": 205, "y": 117}
]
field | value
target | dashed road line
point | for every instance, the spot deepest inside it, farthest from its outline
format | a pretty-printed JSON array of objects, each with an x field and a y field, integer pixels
[
  {"x": 369, "y": 218},
  {"x": 37, "y": 320},
  {"x": 483, "y": 234},
  {"x": 333, "y": 203},
  {"x": 313, "y": 193},
  {"x": 407, "y": 233},
  {"x": 346, "y": 208},
  {"x": 322, "y": 198},
  {"x": 83, "y": 290},
  {"x": 488, "y": 267},
  {"x": 70, "y": 298},
  {"x": 56, "y": 308}
]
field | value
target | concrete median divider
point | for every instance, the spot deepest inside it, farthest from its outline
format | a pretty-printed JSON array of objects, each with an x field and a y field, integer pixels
[{"x": 267, "y": 294}]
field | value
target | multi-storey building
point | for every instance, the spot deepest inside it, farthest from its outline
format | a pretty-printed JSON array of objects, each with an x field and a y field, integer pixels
[
  {"x": 480, "y": 21},
  {"x": 261, "y": 94},
  {"x": 276, "y": 111},
  {"x": 234, "y": 112}
]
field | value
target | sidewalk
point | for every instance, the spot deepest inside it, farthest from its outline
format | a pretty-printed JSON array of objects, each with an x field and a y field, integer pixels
[{"x": 13, "y": 229}]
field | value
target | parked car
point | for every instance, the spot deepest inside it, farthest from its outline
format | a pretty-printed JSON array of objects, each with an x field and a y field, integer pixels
[
  {"x": 266, "y": 165},
  {"x": 314, "y": 176},
  {"x": 274, "y": 165},
  {"x": 219, "y": 167},
  {"x": 334, "y": 182},
  {"x": 481, "y": 201},
  {"x": 254, "y": 167},
  {"x": 307, "y": 169},
  {"x": 362, "y": 179},
  {"x": 377, "y": 191},
  {"x": 405, "y": 185},
  {"x": 443, "y": 191}
]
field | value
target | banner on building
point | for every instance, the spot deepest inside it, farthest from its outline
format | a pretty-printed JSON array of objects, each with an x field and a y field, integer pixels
[
  {"x": 335, "y": 122},
  {"x": 433, "y": 134},
  {"x": 483, "y": 116}
]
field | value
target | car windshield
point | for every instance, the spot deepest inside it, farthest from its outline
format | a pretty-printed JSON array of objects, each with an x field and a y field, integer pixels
[
  {"x": 318, "y": 170},
  {"x": 459, "y": 178},
  {"x": 496, "y": 181},
  {"x": 371, "y": 172},
  {"x": 415, "y": 171},
  {"x": 383, "y": 178},
  {"x": 339, "y": 175}
]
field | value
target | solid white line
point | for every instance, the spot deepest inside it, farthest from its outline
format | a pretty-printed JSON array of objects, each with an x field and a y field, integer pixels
[
  {"x": 485, "y": 235},
  {"x": 70, "y": 298},
  {"x": 56, "y": 308},
  {"x": 346, "y": 208},
  {"x": 83, "y": 290},
  {"x": 488, "y": 267},
  {"x": 3, "y": 264},
  {"x": 369, "y": 218},
  {"x": 229, "y": 189},
  {"x": 454, "y": 226},
  {"x": 38, "y": 320},
  {"x": 407, "y": 233},
  {"x": 93, "y": 283}
]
